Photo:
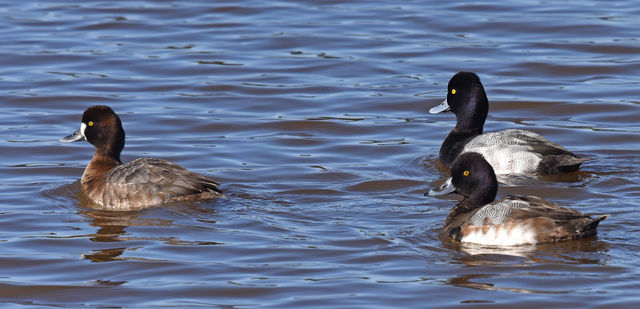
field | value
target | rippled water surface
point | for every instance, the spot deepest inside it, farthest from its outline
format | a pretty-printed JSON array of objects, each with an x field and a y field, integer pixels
[{"x": 313, "y": 116}]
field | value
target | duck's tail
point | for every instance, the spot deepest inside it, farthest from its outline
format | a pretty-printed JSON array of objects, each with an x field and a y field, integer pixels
[
  {"x": 562, "y": 163},
  {"x": 589, "y": 229}
]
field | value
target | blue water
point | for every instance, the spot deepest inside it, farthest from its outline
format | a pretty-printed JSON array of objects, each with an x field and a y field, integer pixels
[{"x": 313, "y": 116}]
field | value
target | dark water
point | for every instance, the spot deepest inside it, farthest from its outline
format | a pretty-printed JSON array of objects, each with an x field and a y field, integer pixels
[{"x": 313, "y": 116}]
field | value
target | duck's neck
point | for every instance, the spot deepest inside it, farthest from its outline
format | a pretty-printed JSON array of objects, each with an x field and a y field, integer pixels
[
  {"x": 96, "y": 171},
  {"x": 454, "y": 143},
  {"x": 458, "y": 215},
  {"x": 109, "y": 144},
  {"x": 110, "y": 152},
  {"x": 456, "y": 218},
  {"x": 478, "y": 199},
  {"x": 471, "y": 116},
  {"x": 458, "y": 211}
]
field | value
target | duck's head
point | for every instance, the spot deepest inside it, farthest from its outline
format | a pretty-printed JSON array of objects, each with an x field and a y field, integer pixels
[
  {"x": 102, "y": 128},
  {"x": 467, "y": 99}
]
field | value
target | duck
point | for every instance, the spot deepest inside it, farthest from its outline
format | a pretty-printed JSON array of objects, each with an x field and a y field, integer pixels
[
  {"x": 139, "y": 184},
  {"x": 510, "y": 152},
  {"x": 510, "y": 221}
]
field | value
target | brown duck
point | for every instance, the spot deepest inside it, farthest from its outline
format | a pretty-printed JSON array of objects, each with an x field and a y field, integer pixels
[{"x": 141, "y": 183}]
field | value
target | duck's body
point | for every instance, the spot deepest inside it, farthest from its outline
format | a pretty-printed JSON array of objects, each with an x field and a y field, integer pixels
[
  {"x": 511, "y": 151},
  {"x": 141, "y": 183},
  {"x": 144, "y": 182},
  {"x": 516, "y": 151},
  {"x": 518, "y": 220},
  {"x": 512, "y": 220}
]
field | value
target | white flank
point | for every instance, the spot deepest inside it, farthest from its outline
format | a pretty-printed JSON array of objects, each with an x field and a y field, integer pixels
[
  {"x": 508, "y": 151},
  {"x": 498, "y": 235}
]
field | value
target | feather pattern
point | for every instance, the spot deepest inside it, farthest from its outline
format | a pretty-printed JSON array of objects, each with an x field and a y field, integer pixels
[
  {"x": 517, "y": 220},
  {"x": 145, "y": 182},
  {"x": 516, "y": 151}
]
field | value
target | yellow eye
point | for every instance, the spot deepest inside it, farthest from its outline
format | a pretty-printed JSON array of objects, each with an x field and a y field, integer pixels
[
  {"x": 453, "y": 91},
  {"x": 90, "y": 123},
  {"x": 466, "y": 173}
]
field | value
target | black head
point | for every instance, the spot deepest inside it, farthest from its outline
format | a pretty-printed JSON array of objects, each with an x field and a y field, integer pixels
[
  {"x": 467, "y": 99},
  {"x": 474, "y": 178},
  {"x": 102, "y": 128}
]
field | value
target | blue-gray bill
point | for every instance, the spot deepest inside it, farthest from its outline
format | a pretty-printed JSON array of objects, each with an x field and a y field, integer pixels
[
  {"x": 75, "y": 136},
  {"x": 446, "y": 188},
  {"x": 442, "y": 107}
]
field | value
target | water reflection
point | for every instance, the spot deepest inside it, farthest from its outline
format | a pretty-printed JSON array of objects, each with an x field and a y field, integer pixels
[
  {"x": 104, "y": 255},
  {"x": 581, "y": 251},
  {"x": 269, "y": 110},
  {"x": 471, "y": 281},
  {"x": 111, "y": 227},
  {"x": 493, "y": 268}
]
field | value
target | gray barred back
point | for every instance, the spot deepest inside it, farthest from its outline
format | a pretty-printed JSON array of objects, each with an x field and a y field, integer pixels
[{"x": 497, "y": 212}]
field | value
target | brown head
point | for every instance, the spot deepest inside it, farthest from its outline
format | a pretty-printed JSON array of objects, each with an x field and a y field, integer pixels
[{"x": 102, "y": 128}]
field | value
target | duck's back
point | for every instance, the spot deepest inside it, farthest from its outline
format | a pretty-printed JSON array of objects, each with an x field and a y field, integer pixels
[
  {"x": 146, "y": 182},
  {"x": 518, "y": 151}
]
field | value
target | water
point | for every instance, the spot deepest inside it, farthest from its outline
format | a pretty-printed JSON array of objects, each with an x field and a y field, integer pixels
[{"x": 313, "y": 116}]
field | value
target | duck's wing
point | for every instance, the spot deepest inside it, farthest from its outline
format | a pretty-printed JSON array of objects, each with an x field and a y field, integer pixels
[
  {"x": 537, "y": 207},
  {"x": 517, "y": 137},
  {"x": 554, "y": 222},
  {"x": 554, "y": 158},
  {"x": 149, "y": 181},
  {"x": 168, "y": 176}
]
